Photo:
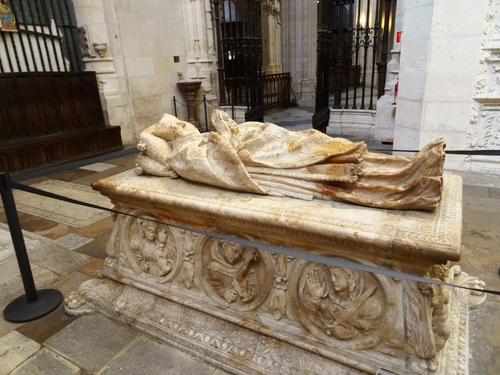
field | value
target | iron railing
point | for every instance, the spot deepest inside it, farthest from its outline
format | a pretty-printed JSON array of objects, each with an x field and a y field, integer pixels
[
  {"x": 361, "y": 33},
  {"x": 46, "y": 38},
  {"x": 276, "y": 91}
]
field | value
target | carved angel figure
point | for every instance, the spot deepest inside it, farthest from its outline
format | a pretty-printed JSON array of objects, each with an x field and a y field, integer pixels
[
  {"x": 338, "y": 302},
  {"x": 153, "y": 253},
  {"x": 264, "y": 158},
  {"x": 230, "y": 272}
]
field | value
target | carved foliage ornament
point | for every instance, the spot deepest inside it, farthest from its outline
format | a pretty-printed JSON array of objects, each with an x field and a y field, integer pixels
[
  {"x": 486, "y": 129},
  {"x": 273, "y": 8}
]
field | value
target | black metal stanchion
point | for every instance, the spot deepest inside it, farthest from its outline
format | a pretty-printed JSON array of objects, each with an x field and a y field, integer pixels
[{"x": 33, "y": 304}]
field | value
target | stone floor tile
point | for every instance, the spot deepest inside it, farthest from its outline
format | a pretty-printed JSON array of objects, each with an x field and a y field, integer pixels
[
  {"x": 98, "y": 167},
  {"x": 61, "y": 211},
  {"x": 476, "y": 191},
  {"x": 146, "y": 357},
  {"x": 15, "y": 348},
  {"x": 58, "y": 260},
  {"x": 484, "y": 264},
  {"x": 494, "y": 192},
  {"x": 40, "y": 330},
  {"x": 98, "y": 228},
  {"x": 97, "y": 247},
  {"x": 71, "y": 175},
  {"x": 14, "y": 288},
  {"x": 484, "y": 339},
  {"x": 92, "y": 267},
  {"x": 91, "y": 341},
  {"x": 481, "y": 203},
  {"x": 481, "y": 228},
  {"x": 31, "y": 241},
  {"x": 6, "y": 326},
  {"x": 31, "y": 223},
  {"x": 72, "y": 241},
  {"x": 46, "y": 362},
  {"x": 71, "y": 282}
]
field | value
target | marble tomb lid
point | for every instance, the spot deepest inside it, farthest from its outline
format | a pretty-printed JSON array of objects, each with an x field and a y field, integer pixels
[{"x": 308, "y": 225}]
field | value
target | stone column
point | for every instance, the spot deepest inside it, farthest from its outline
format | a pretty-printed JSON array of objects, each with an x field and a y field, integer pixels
[
  {"x": 271, "y": 37},
  {"x": 299, "y": 36},
  {"x": 199, "y": 43},
  {"x": 386, "y": 107},
  {"x": 436, "y": 76},
  {"x": 189, "y": 90}
]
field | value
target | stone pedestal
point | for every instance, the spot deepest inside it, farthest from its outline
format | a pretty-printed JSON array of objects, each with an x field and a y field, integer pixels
[
  {"x": 189, "y": 90},
  {"x": 252, "y": 311}
]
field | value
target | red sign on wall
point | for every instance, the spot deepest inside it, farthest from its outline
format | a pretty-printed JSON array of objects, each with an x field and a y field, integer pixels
[{"x": 399, "y": 34}]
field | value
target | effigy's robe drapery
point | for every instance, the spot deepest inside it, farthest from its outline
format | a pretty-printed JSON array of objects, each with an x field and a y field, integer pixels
[{"x": 266, "y": 159}]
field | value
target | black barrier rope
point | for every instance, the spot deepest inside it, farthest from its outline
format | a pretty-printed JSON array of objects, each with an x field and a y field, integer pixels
[
  {"x": 451, "y": 152},
  {"x": 271, "y": 248}
]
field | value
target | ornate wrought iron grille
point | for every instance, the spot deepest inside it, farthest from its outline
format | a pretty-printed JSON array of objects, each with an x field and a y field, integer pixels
[
  {"x": 238, "y": 28},
  {"x": 361, "y": 31},
  {"x": 44, "y": 39}
]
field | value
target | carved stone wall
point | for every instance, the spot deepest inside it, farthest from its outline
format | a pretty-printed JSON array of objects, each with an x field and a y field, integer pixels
[{"x": 484, "y": 132}]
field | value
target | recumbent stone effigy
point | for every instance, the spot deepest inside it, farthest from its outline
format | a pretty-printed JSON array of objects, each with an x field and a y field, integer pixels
[{"x": 248, "y": 310}]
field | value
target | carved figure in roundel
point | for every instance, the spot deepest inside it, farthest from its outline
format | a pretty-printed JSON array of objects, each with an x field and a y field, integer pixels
[
  {"x": 236, "y": 274},
  {"x": 153, "y": 253},
  {"x": 348, "y": 305}
]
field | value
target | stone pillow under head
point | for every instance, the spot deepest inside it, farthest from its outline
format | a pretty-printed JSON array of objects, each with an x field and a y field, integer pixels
[{"x": 171, "y": 128}]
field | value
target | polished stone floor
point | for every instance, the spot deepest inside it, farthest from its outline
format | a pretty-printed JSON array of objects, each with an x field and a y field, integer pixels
[{"x": 66, "y": 246}]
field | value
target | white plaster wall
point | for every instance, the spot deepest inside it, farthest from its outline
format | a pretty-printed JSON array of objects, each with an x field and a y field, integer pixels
[
  {"x": 439, "y": 57},
  {"x": 143, "y": 38}
]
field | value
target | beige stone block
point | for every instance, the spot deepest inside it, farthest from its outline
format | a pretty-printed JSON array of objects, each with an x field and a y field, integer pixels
[
  {"x": 163, "y": 65},
  {"x": 124, "y": 6},
  {"x": 131, "y": 25},
  {"x": 418, "y": 22},
  {"x": 130, "y": 46},
  {"x": 159, "y": 85},
  {"x": 447, "y": 54},
  {"x": 139, "y": 66},
  {"x": 145, "y": 121},
  {"x": 458, "y": 17},
  {"x": 15, "y": 348},
  {"x": 146, "y": 105},
  {"x": 139, "y": 86},
  {"x": 149, "y": 47}
]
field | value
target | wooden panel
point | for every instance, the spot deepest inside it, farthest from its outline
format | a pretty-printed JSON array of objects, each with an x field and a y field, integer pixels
[
  {"x": 51, "y": 117},
  {"x": 20, "y": 160},
  {"x": 4, "y": 163},
  {"x": 55, "y": 151},
  {"x": 38, "y": 156}
]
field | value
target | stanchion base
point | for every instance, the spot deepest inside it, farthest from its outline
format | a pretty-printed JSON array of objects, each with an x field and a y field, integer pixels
[{"x": 20, "y": 310}]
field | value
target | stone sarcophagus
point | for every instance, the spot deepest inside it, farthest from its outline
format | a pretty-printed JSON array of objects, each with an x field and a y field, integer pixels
[{"x": 249, "y": 310}]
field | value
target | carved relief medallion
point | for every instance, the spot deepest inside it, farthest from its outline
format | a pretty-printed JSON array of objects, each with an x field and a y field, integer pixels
[
  {"x": 354, "y": 308},
  {"x": 233, "y": 274},
  {"x": 150, "y": 249}
]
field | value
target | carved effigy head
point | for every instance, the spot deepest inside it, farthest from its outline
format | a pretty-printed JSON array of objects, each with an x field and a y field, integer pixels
[{"x": 170, "y": 128}]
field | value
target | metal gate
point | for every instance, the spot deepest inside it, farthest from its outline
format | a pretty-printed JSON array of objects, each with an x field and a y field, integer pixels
[
  {"x": 238, "y": 30},
  {"x": 321, "y": 109},
  {"x": 361, "y": 31},
  {"x": 44, "y": 37}
]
